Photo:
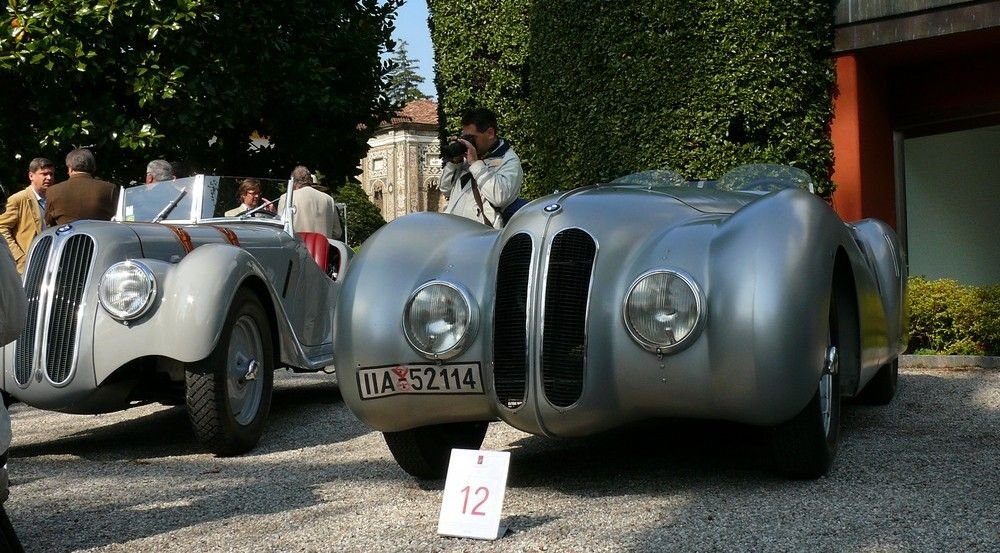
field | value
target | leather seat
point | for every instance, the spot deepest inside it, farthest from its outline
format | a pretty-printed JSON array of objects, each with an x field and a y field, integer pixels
[{"x": 318, "y": 246}]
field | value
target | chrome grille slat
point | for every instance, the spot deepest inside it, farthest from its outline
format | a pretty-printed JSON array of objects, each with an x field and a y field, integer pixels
[
  {"x": 567, "y": 293},
  {"x": 24, "y": 356},
  {"x": 67, "y": 293},
  {"x": 510, "y": 353}
]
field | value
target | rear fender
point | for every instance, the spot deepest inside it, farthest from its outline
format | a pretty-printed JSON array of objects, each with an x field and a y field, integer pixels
[{"x": 881, "y": 247}]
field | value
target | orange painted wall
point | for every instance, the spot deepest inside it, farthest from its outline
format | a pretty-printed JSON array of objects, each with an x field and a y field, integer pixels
[
  {"x": 920, "y": 87},
  {"x": 862, "y": 142}
]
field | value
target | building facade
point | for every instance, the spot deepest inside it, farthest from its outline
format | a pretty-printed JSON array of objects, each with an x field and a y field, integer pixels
[
  {"x": 402, "y": 172},
  {"x": 916, "y": 128}
]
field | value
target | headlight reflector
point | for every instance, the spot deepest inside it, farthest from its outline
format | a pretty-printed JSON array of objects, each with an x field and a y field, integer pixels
[
  {"x": 127, "y": 290},
  {"x": 438, "y": 320},
  {"x": 663, "y": 310}
]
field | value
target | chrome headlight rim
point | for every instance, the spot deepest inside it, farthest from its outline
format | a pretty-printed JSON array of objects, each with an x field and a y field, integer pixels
[
  {"x": 147, "y": 300},
  {"x": 467, "y": 337},
  {"x": 691, "y": 336}
]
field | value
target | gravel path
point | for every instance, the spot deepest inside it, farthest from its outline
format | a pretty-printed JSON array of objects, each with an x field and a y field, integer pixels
[{"x": 922, "y": 474}]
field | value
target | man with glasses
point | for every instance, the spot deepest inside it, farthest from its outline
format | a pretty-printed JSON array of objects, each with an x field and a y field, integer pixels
[{"x": 250, "y": 197}]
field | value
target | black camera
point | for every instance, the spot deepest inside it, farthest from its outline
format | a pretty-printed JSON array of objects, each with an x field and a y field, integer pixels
[{"x": 456, "y": 148}]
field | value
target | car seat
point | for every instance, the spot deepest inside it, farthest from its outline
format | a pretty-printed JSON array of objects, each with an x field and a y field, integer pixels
[{"x": 318, "y": 246}]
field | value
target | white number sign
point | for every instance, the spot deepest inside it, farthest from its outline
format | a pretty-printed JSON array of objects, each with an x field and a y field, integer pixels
[{"x": 473, "y": 494}]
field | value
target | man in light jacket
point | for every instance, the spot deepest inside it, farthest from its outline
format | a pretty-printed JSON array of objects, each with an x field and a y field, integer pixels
[
  {"x": 488, "y": 166},
  {"x": 314, "y": 210},
  {"x": 22, "y": 221}
]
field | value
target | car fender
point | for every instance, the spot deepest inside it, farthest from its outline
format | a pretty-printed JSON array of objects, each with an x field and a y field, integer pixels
[
  {"x": 368, "y": 320},
  {"x": 770, "y": 275},
  {"x": 880, "y": 281},
  {"x": 192, "y": 301}
]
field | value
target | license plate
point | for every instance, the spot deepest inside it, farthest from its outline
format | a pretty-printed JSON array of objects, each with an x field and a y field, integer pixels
[{"x": 391, "y": 380}]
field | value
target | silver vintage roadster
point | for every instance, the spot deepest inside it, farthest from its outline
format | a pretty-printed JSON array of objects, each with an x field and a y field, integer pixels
[
  {"x": 744, "y": 299},
  {"x": 174, "y": 302}
]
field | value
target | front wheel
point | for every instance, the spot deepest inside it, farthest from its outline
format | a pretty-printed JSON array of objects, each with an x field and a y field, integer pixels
[
  {"x": 229, "y": 392},
  {"x": 424, "y": 452},
  {"x": 805, "y": 446}
]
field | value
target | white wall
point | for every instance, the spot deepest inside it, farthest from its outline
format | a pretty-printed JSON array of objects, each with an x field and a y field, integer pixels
[{"x": 952, "y": 205}]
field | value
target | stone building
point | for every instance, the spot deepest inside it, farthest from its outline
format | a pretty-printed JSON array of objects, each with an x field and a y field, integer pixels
[{"x": 402, "y": 171}]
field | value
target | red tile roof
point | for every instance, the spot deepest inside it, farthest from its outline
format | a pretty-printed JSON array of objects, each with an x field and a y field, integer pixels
[{"x": 417, "y": 111}]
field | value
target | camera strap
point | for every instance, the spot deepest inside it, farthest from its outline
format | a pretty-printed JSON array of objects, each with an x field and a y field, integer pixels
[{"x": 467, "y": 178}]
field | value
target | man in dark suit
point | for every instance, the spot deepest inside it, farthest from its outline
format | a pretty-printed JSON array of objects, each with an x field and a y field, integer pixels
[{"x": 81, "y": 196}]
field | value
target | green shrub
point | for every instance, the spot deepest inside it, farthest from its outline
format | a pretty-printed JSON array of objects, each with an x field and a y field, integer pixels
[
  {"x": 987, "y": 327},
  {"x": 953, "y": 319},
  {"x": 363, "y": 217}
]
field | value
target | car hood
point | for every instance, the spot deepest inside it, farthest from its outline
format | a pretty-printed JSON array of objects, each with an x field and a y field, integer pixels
[
  {"x": 168, "y": 242},
  {"x": 638, "y": 206}
]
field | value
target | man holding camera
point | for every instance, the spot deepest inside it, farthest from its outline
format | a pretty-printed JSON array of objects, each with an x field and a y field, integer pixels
[{"x": 482, "y": 175}]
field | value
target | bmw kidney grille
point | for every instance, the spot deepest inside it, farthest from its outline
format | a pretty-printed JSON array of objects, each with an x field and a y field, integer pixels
[
  {"x": 562, "y": 318},
  {"x": 53, "y": 315}
]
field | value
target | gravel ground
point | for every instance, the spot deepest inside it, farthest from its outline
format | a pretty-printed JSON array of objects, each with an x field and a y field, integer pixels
[{"x": 922, "y": 474}]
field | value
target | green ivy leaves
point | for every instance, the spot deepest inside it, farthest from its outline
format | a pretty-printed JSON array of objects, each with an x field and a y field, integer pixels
[{"x": 589, "y": 90}]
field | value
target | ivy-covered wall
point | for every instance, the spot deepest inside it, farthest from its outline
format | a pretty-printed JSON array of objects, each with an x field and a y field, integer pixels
[
  {"x": 589, "y": 90},
  {"x": 480, "y": 54}
]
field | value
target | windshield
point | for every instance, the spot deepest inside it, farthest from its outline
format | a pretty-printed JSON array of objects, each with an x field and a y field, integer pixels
[
  {"x": 166, "y": 200},
  {"x": 765, "y": 177},
  {"x": 653, "y": 178},
  {"x": 201, "y": 197},
  {"x": 248, "y": 197},
  {"x": 760, "y": 178}
]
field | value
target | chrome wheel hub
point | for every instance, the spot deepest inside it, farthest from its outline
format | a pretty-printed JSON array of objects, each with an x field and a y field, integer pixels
[
  {"x": 826, "y": 391},
  {"x": 243, "y": 367}
]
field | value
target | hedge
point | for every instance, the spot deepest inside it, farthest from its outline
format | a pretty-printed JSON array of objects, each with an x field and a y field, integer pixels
[
  {"x": 589, "y": 90},
  {"x": 953, "y": 319}
]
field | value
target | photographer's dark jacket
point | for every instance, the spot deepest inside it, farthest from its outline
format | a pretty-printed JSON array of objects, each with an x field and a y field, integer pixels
[{"x": 498, "y": 176}]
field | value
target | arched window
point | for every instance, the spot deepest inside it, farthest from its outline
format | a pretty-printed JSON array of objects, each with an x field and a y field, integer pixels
[
  {"x": 434, "y": 198},
  {"x": 378, "y": 197}
]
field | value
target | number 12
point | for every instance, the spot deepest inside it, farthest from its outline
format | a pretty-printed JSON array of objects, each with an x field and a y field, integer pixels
[{"x": 475, "y": 509}]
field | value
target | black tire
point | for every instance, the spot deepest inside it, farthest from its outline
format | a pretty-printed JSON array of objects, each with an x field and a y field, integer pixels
[
  {"x": 227, "y": 410},
  {"x": 805, "y": 446},
  {"x": 882, "y": 387},
  {"x": 424, "y": 452},
  {"x": 8, "y": 538}
]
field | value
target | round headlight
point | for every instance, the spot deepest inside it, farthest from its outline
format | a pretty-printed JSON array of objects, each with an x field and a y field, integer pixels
[
  {"x": 662, "y": 310},
  {"x": 127, "y": 290},
  {"x": 438, "y": 320}
]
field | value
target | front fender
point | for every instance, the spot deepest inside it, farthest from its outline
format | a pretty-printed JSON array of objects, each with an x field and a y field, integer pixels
[
  {"x": 368, "y": 320},
  {"x": 191, "y": 305},
  {"x": 770, "y": 280}
]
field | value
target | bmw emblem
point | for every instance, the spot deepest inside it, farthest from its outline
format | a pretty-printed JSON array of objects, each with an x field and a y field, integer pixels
[
  {"x": 552, "y": 208},
  {"x": 64, "y": 229}
]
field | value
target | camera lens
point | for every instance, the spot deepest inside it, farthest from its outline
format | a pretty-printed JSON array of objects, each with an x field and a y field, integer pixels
[{"x": 453, "y": 149}]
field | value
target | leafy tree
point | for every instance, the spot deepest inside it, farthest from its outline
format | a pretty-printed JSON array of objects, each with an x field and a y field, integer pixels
[
  {"x": 363, "y": 217},
  {"x": 191, "y": 81},
  {"x": 404, "y": 81}
]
